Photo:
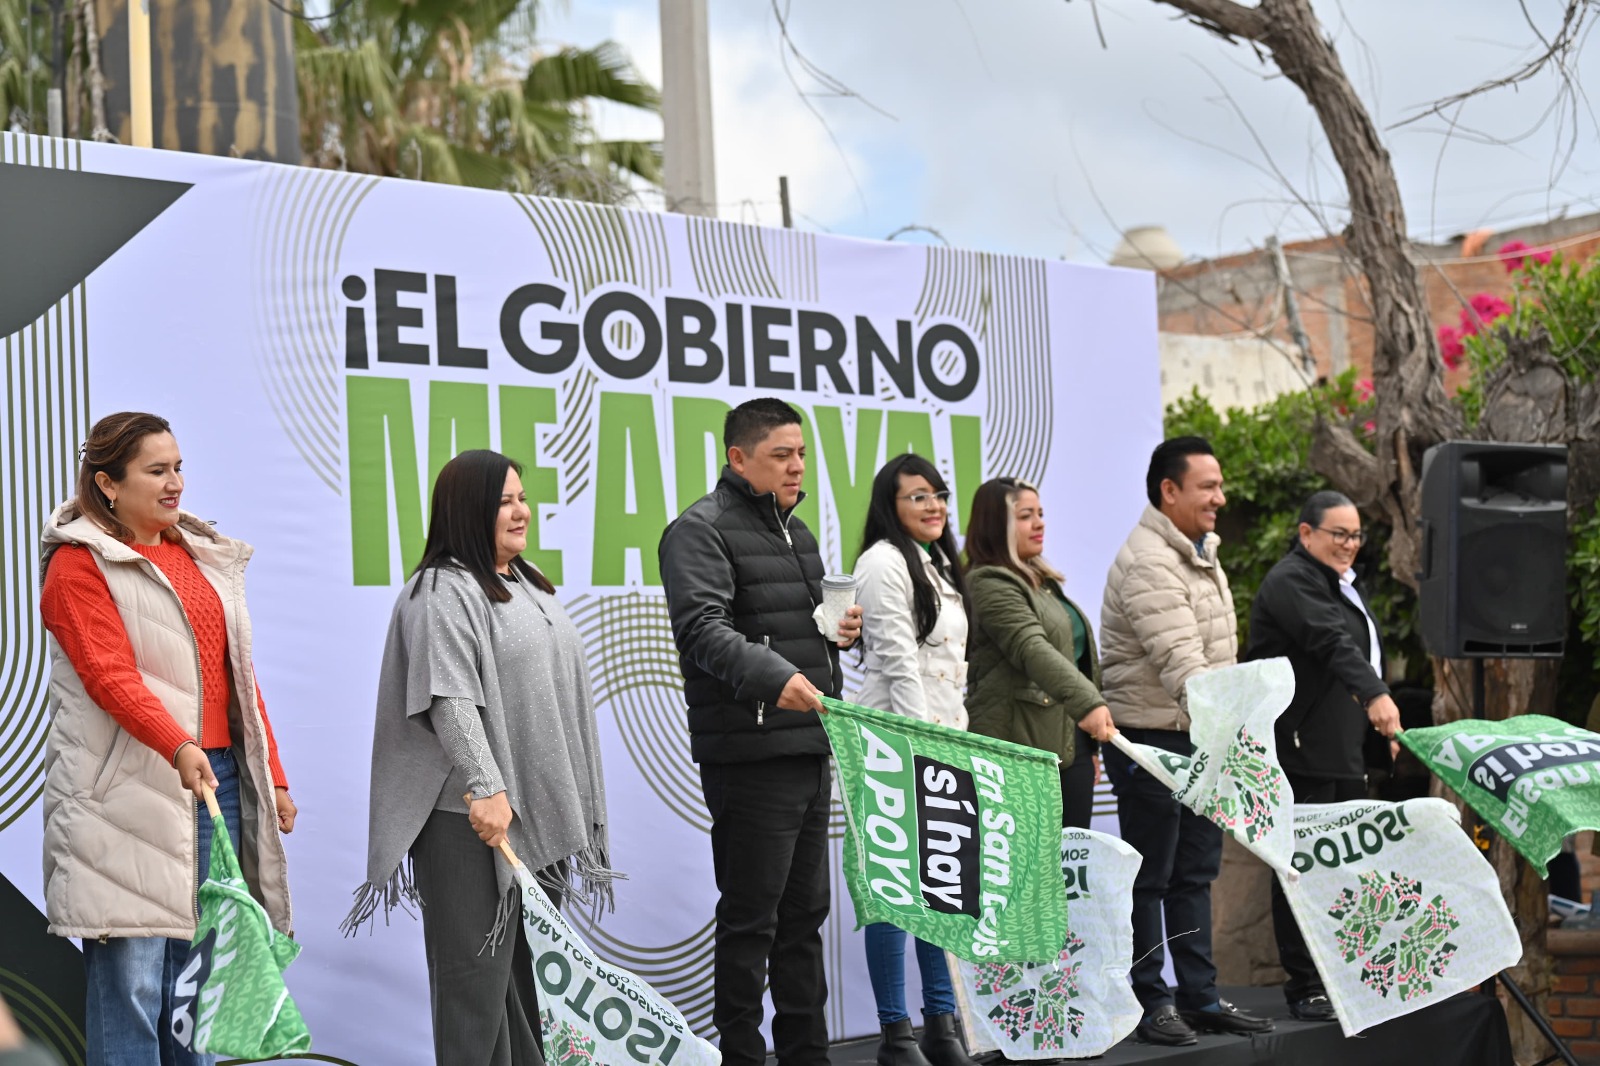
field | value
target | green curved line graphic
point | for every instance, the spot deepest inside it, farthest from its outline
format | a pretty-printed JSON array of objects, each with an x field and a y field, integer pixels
[
  {"x": 301, "y": 219},
  {"x": 1005, "y": 300},
  {"x": 298, "y": 258},
  {"x": 643, "y": 687},
  {"x": 590, "y": 246},
  {"x": 569, "y": 447},
  {"x": 50, "y": 1022},
  {"x": 44, "y": 412}
]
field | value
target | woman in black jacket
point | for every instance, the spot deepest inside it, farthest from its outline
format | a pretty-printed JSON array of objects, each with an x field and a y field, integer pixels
[{"x": 1309, "y": 611}]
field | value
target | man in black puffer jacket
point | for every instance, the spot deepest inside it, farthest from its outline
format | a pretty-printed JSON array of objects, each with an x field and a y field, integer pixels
[
  {"x": 1309, "y": 610},
  {"x": 742, "y": 577}
]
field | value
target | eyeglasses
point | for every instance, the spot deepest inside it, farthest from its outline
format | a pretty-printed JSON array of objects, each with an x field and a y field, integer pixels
[
  {"x": 1344, "y": 538},
  {"x": 927, "y": 501}
]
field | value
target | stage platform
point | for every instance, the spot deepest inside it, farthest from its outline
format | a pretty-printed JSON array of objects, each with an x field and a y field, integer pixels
[{"x": 1467, "y": 1030}]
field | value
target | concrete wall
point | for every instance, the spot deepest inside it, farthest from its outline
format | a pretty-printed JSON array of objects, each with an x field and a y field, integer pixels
[{"x": 1229, "y": 371}]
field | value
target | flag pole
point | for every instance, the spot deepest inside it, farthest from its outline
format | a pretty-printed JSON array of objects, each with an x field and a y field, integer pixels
[
  {"x": 511, "y": 856},
  {"x": 1127, "y": 748},
  {"x": 210, "y": 797}
]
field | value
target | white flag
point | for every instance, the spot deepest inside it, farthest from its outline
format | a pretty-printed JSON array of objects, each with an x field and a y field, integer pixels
[
  {"x": 1079, "y": 1004},
  {"x": 595, "y": 1012},
  {"x": 1234, "y": 777},
  {"x": 1397, "y": 905}
]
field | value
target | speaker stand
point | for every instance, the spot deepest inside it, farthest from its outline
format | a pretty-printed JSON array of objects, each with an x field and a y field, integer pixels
[{"x": 1562, "y": 1051}]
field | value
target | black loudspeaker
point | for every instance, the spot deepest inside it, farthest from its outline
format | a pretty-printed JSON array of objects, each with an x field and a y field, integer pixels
[{"x": 1493, "y": 582}]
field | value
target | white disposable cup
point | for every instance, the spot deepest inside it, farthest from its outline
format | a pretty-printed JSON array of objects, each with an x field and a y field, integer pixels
[{"x": 838, "y": 596}]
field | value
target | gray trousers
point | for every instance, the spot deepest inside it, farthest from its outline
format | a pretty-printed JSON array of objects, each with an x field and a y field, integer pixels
[{"x": 485, "y": 1003}]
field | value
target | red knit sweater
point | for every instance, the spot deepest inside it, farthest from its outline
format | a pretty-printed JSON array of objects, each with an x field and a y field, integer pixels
[{"x": 79, "y": 612}]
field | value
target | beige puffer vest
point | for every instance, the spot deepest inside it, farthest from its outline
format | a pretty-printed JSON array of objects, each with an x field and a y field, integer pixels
[
  {"x": 120, "y": 833},
  {"x": 1167, "y": 616}
]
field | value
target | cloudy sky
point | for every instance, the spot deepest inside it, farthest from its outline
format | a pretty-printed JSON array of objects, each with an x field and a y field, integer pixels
[{"x": 1005, "y": 126}]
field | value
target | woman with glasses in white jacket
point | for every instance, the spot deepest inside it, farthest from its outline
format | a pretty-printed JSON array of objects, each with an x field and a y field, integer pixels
[{"x": 914, "y": 617}]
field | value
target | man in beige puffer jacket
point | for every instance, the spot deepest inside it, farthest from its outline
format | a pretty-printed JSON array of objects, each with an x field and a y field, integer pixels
[{"x": 1167, "y": 616}]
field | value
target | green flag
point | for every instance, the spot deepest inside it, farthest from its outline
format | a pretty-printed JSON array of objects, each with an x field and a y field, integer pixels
[
  {"x": 953, "y": 837},
  {"x": 1533, "y": 778},
  {"x": 230, "y": 997}
]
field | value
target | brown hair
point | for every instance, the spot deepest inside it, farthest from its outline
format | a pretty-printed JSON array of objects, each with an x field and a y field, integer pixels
[
  {"x": 113, "y": 443},
  {"x": 992, "y": 532}
]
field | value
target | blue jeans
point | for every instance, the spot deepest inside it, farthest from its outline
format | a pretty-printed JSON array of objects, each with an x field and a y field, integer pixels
[
  {"x": 128, "y": 1020},
  {"x": 886, "y": 966}
]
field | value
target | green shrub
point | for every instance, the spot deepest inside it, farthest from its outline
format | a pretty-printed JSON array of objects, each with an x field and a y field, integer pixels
[{"x": 1265, "y": 457}]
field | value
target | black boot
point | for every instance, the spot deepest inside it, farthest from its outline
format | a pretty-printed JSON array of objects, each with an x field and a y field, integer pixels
[
  {"x": 940, "y": 1044},
  {"x": 899, "y": 1047}
]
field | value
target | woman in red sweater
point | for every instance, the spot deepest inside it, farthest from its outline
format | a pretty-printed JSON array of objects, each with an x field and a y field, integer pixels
[{"x": 153, "y": 699}]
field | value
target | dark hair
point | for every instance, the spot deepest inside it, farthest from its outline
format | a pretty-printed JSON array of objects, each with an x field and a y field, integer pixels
[
  {"x": 752, "y": 421},
  {"x": 883, "y": 523},
  {"x": 1320, "y": 503},
  {"x": 466, "y": 506},
  {"x": 1170, "y": 461},
  {"x": 112, "y": 444},
  {"x": 991, "y": 540}
]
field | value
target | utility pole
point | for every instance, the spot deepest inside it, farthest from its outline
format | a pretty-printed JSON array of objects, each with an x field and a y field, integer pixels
[
  {"x": 688, "y": 162},
  {"x": 139, "y": 105},
  {"x": 1291, "y": 307},
  {"x": 783, "y": 201},
  {"x": 55, "y": 119}
]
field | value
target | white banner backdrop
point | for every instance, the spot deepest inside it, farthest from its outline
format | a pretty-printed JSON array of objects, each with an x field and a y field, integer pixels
[{"x": 324, "y": 342}]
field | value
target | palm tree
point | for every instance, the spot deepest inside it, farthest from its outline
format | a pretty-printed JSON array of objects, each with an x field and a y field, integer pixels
[
  {"x": 24, "y": 79},
  {"x": 456, "y": 91}
]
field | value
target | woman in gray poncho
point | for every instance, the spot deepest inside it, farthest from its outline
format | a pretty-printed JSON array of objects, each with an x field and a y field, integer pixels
[{"x": 485, "y": 732}]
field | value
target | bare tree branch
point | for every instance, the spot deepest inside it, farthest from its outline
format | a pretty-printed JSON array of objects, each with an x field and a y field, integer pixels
[
  {"x": 1557, "y": 51},
  {"x": 1224, "y": 18}
]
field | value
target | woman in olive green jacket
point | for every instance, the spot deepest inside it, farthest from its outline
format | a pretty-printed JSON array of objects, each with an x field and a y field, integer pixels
[{"x": 1033, "y": 671}]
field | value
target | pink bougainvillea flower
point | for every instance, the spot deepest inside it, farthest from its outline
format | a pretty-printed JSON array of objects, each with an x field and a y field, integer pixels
[
  {"x": 1364, "y": 388},
  {"x": 1516, "y": 253},
  {"x": 1450, "y": 346},
  {"x": 1370, "y": 427},
  {"x": 1487, "y": 307}
]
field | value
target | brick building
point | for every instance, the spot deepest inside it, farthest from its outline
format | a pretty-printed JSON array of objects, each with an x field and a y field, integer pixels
[{"x": 1239, "y": 295}]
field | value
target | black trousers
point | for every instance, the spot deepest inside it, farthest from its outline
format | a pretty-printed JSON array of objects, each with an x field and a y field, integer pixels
[
  {"x": 1077, "y": 788},
  {"x": 1295, "y": 957},
  {"x": 769, "y": 846},
  {"x": 1182, "y": 855},
  {"x": 485, "y": 1003}
]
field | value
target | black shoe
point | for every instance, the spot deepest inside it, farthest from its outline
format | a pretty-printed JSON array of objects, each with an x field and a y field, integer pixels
[
  {"x": 1166, "y": 1028},
  {"x": 940, "y": 1045},
  {"x": 899, "y": 1047},
  {"x": 1227, "y": 1019},
  {"x": 1315, "y": 1008}
]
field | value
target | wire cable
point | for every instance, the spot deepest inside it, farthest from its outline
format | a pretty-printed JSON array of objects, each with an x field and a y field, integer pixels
[{"x": 337, "y": 10}]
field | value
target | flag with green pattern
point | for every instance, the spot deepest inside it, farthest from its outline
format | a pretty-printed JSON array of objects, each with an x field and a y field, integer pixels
[
  {"x": 953, "y": 837},
  {"x": 1078, "y": 1004},
  {"x": 1534, "y": 779},
  {"x": 230, "y": 997},
  {"x": 596, "y": 1013},
  {"x": 1234, "y": 777},
  {"x": 1398, "y": 907}
]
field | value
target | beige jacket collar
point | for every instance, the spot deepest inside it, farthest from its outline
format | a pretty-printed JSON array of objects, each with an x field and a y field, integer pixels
[{"x": 1159, "y": 523}]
